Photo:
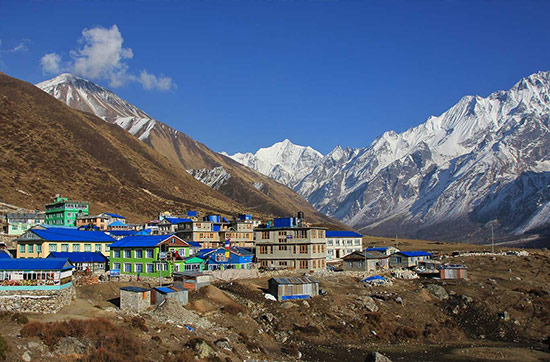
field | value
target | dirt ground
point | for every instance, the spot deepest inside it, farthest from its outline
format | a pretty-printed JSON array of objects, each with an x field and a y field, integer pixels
[{"x": 500, "y": 313}]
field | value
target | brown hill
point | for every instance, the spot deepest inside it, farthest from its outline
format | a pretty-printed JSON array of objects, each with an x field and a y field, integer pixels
[
  {"x": 258, "y": 193},
  {"x": 49, "y": 148}
]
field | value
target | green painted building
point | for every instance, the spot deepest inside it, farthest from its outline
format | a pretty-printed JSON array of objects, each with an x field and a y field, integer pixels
[
  {"x": 149, "y": 255},
  {"x": 63, "y": 211}
]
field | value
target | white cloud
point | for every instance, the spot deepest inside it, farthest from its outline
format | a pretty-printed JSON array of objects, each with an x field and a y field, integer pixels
[
  {"x": 51, "y": 63},
  {"x": 151, "y": 81},
  {"x": 102, "y": 57},
  {"x": 21, "y": 47}
]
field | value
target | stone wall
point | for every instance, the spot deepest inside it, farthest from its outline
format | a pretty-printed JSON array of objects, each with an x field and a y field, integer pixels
[
  {"x": 36, "y": 301},
  {"x": 233, "y": 274}
]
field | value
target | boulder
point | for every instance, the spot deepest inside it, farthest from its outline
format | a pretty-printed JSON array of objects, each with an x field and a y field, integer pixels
[
  {"x": 268, "y": 317},
  {"x": 203, "y": 349},
  {"x": 437, "y": 291},
  {"x": 368, "y": 303},
  {"x": 376, "y": 357}
]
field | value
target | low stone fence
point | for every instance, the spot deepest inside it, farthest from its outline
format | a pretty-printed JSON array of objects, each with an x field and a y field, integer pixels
[
  {"x": 233, "y": 274},
  {"x": 36, "y": 301}
]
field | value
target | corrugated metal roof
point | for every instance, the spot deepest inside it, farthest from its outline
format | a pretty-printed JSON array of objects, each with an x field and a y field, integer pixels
[
  {"x": 296, "y": 280},
  {"x": 114, "y": 215},
  {"x": 72, "y": 235},
  {"x": 135, "y": 289},
  {"x": 164, "y": 290},
  {"x": 194, "y": 244},
  {"x": 415, "y": 253},
  {"x": 117, "y": 223},
  {"x": 378, "y": 249},
  {"x": 5, "y": 255},
  {"x": 80, "y": 257},
  {"x": 122, "y": 232},
  {"x": 35, "y": 264},
  {"x": 176, "y": 220},
  {"x": 342, "y": 234},
  {"x": 140, "y": 241}
]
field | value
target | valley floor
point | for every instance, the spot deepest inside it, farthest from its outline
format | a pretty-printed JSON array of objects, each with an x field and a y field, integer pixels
[{"x": 501, "y": 313}]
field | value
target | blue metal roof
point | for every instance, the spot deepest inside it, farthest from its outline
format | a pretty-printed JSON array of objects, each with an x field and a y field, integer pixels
[
  {"x": 164, "y": 290},
  {"x": 80, "y": 257},
  {"x": 72, "y": 235},
  {"x": 114, "y": 215},
  {"x": 117, "y": 223},
  {"x": 122, "y": 232},
  {"x": 135, "y": 289},
  {"x": 342, "y": 234},
  {"x": 140, "y": 241},
  {"x": 415, "y": 253},
  {"x": 195, "y": 244},
  {"x": 35, "y": 264},
  {"x": 176, "y": 220},
  {"x": 377, "y": 249},
  {"x": 5, "y": 255}
]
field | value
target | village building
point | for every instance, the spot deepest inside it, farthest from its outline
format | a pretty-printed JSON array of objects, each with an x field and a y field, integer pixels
[
  {"x": 40, "y": 241},
  {"x": 40, "y": 274},
  {"x": 63, "y": 211},
  {"x": 18, "y": 223},
  {"x": 388, "y": 250},
  {"x": 407, "y": 259},
  {"x": 293, "y": 288},
  {"x": 194, "y": 263},
  {"x": 149, "y": 255},
  {"x": 169, "y": 225},
  {"x": 365, "y": 261},
  {"x": 340, "y": 243},
  {"x": 161, "y": 294},
  {"x": 232, "y": 258},
  {"x": 240, "y": 232},
  {"x": 35, "y": 285},
  {"x": 206, "y": 233},
  {"x": 291, "y": 244},
  {"x": 453, "y": 271},
  {"x": 82, "y": 261},
  {"x": 135, "y": 299},
  {"x": 101, "y": 221},
  {"x": 191, "y": 280}
]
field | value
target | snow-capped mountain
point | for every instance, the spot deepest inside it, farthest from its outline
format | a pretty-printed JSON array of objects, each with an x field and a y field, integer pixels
[
  {"x": 485, "y": 161},
  {"x": 284, "y": 162},
  {"x": 87, "y": 96},
  {"x": 250, "y": 188}
]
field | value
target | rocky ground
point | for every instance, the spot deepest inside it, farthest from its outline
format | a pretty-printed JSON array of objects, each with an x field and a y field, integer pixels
[{"x": 501, "y": 313}]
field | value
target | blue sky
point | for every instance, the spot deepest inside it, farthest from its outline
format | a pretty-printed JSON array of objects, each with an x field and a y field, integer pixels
[{"x": 239, "y": 75}]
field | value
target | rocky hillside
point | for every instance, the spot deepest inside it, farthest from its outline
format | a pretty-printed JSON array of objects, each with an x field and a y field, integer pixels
[
  {"x": 482, "y": 164},
  {"x": 49, "y": 148},
  {"x": 259, "y": 193}
]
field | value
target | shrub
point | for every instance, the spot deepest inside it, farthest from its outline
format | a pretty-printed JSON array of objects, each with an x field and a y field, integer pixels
[
  {"x": 139, "y": 323},
  {"x": 4, "y": 348}
]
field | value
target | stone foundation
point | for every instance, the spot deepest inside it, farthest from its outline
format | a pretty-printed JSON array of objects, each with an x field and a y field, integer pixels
[{"x": 36, "y": 301}]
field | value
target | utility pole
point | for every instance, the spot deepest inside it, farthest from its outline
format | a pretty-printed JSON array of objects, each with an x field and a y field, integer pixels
[{"x": 492, "y": 240}]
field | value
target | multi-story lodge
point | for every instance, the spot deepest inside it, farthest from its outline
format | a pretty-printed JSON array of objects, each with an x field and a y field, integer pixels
[
  {"x": 64, "y": 212},
  {"x": 40, "y": 241},
  {"x": 341, "y": 243},
  {"x": 291, "y": 244},
  {"x": 18, "y": 223},
  {"x": 101, "y": 221}
]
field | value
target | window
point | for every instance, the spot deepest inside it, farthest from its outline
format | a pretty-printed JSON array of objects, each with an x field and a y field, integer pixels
[
  {"x": 22, "y": 248},
  {"x": 38, "y": 248},
  {"x": 98, "y": 248},
  {"x": 301, "y": 234},
  {"x": 265, "y": 234},
  {"x": 329, "y": 242},
  {"x": 87, "y": 247},
  {"x": 127, "y": 254},
  {"x": 303, "y": 264},
  {"x": 181, "y": 252},
  {"x": 263, "y": 249},
  {"x": 65, "y": 247},
  {"x": 322, "y": 248},
  {"x": 116, "y": 254},
  {"x": 149, "y": 253},
  {"x": 76, "y": 247},
  {"x": 282, "y": 247},
  {"x": 53, "y": 247},
  {"x": 138, "y": 254},
  {"x": 282, "y": 233},
  {"x": 314, "y": 264},
  {"x": 138, "y": 267},
  {"x": 349, "y": 242},
  {"x": 303, "y": 249},
  {"x": 149, "y": 268},
  {"x": 116, "y": 266},
  {"x": 357, "y": 242},
  {"x": 30, "y": 248},
  {"x": 127, "y": 267}
]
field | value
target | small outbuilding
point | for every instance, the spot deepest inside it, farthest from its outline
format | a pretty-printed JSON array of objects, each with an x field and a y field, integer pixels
[
  {"x": 190, "y": 280},
  {"x": 293, "y": 288},
  {"x": 135, "y": 299},
  {"x": 160, "y": 294},
  {"x": 407, "y": 259},
  {"x": 365, "y": 261},
  {"x": 450, "y": 271}
]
